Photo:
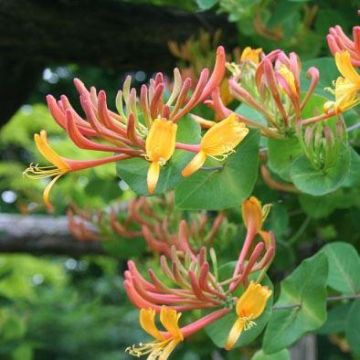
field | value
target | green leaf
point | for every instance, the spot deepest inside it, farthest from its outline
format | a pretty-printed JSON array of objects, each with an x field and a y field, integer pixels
[
  {"x": 353, "y": 177},
  {"x": 336, "y": 320},
  {"x": 353, "y": 328},
  {"x": 219, "y": 331},
  {"x": 344, "y": 267},
  {"x": 318, "y": 206},
  {"x": 328, "y": 73},
  {"x": 281, "y": 355},
  {"x": 305, "y": 286},
  {"x": 225, "y": 188},
  {"x": 134, "y": 171},
  {"x": 251, "y": 114},
  {"x": 319, "y": 182},
  {"x": 281, "y": 154}
]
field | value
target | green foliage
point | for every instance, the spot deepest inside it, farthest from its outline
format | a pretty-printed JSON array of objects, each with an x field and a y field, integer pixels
[
  {"x": 305, "y": 290},
  {"x": 319, "y": 182},
  {"x": 344, "y": 267},
  {"x": 281, "y": 355},
  {"x": 282, "y": 153},
  {"x": 352, "y": 327}
]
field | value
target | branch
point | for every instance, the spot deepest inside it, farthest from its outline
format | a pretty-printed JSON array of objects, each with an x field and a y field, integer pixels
[
  {"x": 41, "y": 234},
  {"x": 328, "y": 299}
]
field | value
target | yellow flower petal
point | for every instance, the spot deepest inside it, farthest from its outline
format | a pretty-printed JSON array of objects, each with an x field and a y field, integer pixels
[
  {"x": 223, "y": 137},
  {"x": 160, "y": 142},
  {"x": 252, "y": 302},
  {"x": 234, "y": 333},
  {"x": 153, "y": 176},
  {"x": 170, "y": 318},
  {"x": 47, "y": 152},
  {"x": 347, "y": 70},
  {"x": 195, "y": 164},
  {"x": 147, "y": 322},
  {"x": 46, "y": 193}
]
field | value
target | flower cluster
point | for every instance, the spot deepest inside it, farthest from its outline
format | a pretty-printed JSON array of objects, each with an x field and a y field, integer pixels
[
  {"x": 196, "y": 284},
  {"x": 273, "y": 89},
  {"x": 143, "y": 126}
]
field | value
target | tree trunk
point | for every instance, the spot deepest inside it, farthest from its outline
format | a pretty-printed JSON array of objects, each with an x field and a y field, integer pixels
[{"x": 41, "y": 234}]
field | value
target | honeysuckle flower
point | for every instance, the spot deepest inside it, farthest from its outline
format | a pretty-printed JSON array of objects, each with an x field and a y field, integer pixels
[
  {"x": 60, "y": 165},
  {"x": 249, "y": 307},
  {"x": 159, "y": 146},
  {"x": 164, "y": 343},
  {"x": 218, "y": 142},
  {"x": 338, "y": 41},
  {"x": 347, "y": 86},
  {"x": 254, "y": 215}
]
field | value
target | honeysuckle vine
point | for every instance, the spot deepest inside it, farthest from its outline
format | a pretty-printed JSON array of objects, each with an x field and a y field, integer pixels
[{"x": 148, "y": 124}]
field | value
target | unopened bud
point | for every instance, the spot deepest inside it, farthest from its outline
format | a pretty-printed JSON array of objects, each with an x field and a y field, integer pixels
[
  {"x": 308, "y": 136},
  {"x": 329, "y": 136}
]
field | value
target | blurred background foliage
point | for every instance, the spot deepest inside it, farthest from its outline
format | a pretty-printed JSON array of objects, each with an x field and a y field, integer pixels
[{"x": 55, "y": 307}]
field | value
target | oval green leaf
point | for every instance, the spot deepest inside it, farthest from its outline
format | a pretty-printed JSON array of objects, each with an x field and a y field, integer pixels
[
  {"x": 344, "y": 267},
  {"x": 319, "y": 182},
  {"x": 305, "y": 290}
]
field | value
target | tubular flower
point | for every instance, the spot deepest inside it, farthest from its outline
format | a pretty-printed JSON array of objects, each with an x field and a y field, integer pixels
[
  {"x": 164, "y": 343},
  {"x": 347, "y": 86},
  {"x": 249, "y": 307},
  {"x": 60, "y": 165},
  {"x": 160, "y": 146},
  {"x": 254, "y": 215},
  {"x": 218, "y": 142}
]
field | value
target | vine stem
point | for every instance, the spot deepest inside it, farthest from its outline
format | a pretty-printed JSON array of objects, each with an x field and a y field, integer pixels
[
  {"x": 328, "y": 299},
  {"x": 353, "y": 127}
]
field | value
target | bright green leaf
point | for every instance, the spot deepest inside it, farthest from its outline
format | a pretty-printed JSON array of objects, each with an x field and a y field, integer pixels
[
  {"x": 344, "y": 267},
  {"x": 336, "y": 320},
  {"x": 353, "y": 328},
  {"x": 319, "y": 182},
  {"x": 305, "y": 286},
  {"x": 281, "y": 154},
  {"x": 281, "y": 355}
]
